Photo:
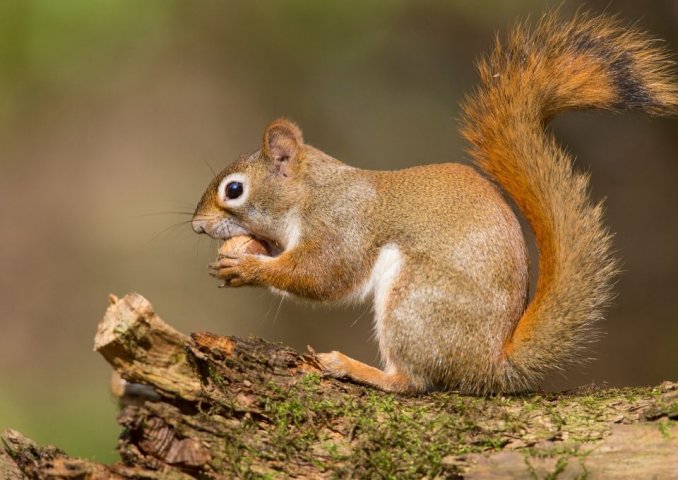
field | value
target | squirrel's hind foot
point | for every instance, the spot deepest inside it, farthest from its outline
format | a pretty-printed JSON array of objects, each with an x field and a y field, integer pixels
[{"x": 336, "y": 364}]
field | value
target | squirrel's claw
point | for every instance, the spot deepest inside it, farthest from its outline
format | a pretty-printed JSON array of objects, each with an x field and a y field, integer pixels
[{"x": 333, "y": 364}]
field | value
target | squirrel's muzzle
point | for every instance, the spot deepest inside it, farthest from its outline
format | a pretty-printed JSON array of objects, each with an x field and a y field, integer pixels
[{"x": 198, "y": 225}]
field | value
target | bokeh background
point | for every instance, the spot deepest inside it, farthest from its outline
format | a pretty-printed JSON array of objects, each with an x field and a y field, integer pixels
[{"x": 112, "y": 112}]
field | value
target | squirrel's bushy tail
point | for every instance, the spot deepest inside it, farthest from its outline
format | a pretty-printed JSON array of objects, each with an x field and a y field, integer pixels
[{"x": 587, "y": 62}]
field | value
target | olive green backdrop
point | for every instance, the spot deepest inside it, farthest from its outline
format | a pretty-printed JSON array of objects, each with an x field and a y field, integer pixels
[{"x": 112, "y": 110}]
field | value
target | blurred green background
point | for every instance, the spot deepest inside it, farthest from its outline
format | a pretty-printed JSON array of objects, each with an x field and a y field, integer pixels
[{"x": 111, "y": 110}]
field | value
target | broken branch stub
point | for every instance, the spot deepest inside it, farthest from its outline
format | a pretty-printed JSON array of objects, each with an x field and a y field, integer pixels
[{"x": 144, "y": 349}]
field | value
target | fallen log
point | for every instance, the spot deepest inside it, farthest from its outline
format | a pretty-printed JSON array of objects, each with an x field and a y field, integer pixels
[{"x": 208, "y": 406}]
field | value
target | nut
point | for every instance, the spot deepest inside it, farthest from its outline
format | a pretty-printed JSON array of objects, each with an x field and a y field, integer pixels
[{"x": 243, "y": 244}]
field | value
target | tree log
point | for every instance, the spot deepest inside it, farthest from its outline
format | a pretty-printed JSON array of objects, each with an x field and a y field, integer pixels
[{"x": 207, "y": 406}]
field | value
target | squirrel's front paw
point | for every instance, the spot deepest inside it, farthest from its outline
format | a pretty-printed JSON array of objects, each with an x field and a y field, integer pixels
[{"x": 235, "y": 271}]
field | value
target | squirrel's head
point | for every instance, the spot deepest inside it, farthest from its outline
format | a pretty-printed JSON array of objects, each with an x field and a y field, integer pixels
[{"x": 259, "y": 193}]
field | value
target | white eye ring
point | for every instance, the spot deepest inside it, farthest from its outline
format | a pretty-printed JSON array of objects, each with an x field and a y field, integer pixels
[{"x": 242, "y": 198}]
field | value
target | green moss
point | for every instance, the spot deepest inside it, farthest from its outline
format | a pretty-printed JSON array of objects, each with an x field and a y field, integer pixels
[
  {"x": 310, "y": 381},
  {"x": 371, "y": 434},
  {"x": 216, "y": 377},
  {"x": 665, "y": 427},
  {"x": 564, "y": 455}
]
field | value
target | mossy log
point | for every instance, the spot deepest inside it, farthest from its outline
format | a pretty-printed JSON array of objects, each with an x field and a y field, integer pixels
[{"x": 207, "y": 406}]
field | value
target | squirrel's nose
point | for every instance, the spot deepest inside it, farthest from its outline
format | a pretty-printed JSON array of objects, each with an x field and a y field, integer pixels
[{"x": 198, "y": 225}]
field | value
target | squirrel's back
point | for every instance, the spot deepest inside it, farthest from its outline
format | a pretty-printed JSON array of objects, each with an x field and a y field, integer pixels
[{"x": 586, "y": 62}]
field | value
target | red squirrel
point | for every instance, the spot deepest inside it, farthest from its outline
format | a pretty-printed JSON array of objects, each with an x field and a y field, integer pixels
[{"x": 437, "y": 248}]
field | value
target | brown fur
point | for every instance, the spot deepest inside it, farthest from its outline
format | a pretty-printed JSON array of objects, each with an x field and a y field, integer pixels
[
  {"x": 437, "y": 247},
  {"x": 588, "y": 62}
]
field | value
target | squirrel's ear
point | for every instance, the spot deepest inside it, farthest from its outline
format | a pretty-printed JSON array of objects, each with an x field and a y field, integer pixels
[{"x": 282, "y": 142}]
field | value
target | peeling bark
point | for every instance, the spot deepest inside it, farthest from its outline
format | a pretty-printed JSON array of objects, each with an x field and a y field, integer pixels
[{"x": 225, "y": 407}]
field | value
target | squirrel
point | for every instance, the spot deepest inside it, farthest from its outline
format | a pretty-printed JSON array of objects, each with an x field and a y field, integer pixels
[{"x": 437, "y": 248}]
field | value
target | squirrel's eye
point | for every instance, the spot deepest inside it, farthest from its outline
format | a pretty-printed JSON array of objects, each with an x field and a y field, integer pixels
[{"x": 234, "y": 190}]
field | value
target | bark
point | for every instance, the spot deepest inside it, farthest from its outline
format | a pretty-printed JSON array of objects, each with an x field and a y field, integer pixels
[{"x": 207, "y": 406}]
